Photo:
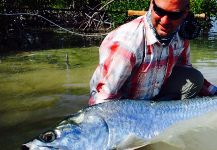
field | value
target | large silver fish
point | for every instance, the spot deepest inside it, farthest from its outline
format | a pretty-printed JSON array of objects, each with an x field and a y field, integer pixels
[{"x": 105, "y": 126}]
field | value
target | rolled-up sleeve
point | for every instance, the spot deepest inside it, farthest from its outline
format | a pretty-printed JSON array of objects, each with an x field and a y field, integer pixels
[
  {"x": 208, "y": 89},
  {"x": 115, "y": 66}
]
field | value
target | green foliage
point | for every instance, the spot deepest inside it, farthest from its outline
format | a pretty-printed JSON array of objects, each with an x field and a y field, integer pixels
[
  {"x": 208, "y": 7},
  {"x": 195, "y": 6},
  {"x": 31, "y": 4},
  {"x": 117, "y": 10}
]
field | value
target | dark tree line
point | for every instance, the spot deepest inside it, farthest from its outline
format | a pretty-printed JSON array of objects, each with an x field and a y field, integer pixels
[
  {"x": 81, "y": 16},
  {"x": 24, "y": 22},
  {"x": 40, "y": 4}
]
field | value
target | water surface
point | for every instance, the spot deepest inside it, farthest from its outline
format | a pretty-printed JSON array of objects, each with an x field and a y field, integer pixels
[{"x": 37, "y": 89}]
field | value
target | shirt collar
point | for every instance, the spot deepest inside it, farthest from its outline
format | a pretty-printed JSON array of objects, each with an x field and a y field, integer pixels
[{"x": 149, "y": 31}]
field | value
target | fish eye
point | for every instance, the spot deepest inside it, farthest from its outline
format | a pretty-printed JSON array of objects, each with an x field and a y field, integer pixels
[{"x": 47, "y": 137}]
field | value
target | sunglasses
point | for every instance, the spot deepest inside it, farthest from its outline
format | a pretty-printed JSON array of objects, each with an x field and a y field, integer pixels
[{"x": 172, "y": 15}]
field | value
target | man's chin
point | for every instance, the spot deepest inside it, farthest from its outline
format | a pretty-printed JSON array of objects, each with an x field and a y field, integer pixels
[{"x": 163, "y": 34}]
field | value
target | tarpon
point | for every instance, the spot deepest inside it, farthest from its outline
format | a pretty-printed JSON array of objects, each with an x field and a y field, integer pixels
[{"x": 105, "y": 126}]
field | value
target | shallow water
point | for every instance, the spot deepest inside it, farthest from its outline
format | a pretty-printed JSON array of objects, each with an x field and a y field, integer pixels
[{"x": 37, "y": 89}]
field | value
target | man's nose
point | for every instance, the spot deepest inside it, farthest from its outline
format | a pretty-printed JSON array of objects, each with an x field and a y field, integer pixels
[{"x": 165, "y": 20}]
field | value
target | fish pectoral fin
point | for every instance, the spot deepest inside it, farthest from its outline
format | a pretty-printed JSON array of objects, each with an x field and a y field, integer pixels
[{"x": 130, "y": 142}]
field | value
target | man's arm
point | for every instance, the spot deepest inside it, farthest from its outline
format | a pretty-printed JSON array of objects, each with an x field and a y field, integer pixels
[
  {"x": 115, "y": 66},
  {"x": 208, "y": 89}
]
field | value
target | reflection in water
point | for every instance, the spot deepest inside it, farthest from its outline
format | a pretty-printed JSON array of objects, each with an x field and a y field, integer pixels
[
  {"x": 38, "y": 88},
  {"x": 212, "y": 35}
]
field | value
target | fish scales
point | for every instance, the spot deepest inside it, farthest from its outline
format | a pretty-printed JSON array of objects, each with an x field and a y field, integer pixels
[{"x": 106, "y": 125}]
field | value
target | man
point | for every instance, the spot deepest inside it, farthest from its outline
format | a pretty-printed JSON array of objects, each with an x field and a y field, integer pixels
[{"x": 148, "y": 59}]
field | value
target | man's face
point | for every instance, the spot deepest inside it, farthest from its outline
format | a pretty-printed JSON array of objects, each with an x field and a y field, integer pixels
[{"x": 167, "y": 15}]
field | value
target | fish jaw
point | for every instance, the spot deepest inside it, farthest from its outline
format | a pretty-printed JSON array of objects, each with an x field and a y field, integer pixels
[
  {"x": 36, "y": 145},
  {"x": 75, "y": 135}
]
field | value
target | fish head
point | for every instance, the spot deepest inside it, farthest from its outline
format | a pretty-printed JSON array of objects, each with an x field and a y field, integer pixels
[{"x": 79, "y": 131}]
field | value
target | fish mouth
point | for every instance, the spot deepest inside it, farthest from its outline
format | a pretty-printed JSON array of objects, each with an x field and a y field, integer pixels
[{"x": 28, "y": 146}]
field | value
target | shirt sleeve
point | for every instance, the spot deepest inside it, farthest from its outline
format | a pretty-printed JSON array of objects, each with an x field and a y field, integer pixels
[
  {"x": 208, "y": 89},
  {"x": 115, "y": 66}
]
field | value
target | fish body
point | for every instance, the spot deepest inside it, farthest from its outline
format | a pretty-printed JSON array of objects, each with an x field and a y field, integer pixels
[{"x": 104, "y": 126}]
